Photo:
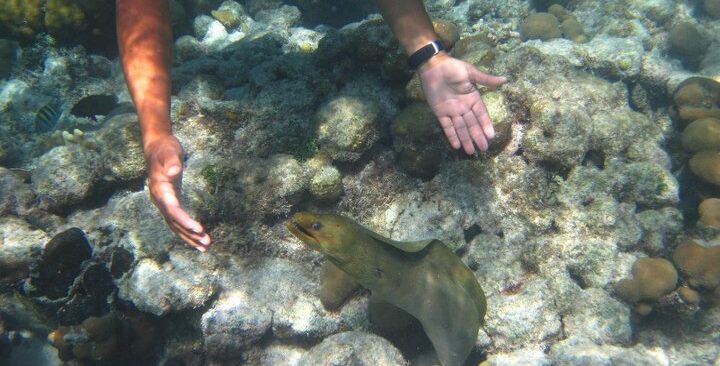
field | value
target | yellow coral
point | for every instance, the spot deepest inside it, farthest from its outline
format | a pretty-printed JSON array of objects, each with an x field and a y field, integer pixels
[
  {"x": 20, "y": 17},
  {"x": 64, "y": 16}
]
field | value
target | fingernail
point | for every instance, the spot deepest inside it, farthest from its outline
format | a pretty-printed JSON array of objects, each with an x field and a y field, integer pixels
[
  {"x": 205, "y": 240},
  {"x": 201, "y": 249}
]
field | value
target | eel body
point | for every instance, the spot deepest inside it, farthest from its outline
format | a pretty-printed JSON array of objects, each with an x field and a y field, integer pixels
[{"x": 424, "y": 278}]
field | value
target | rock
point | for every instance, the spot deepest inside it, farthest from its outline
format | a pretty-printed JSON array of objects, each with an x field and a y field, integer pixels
[
  {"x": 65, "y": 175},
  {"x": 121, "y": 147},
  {"x": 712, "y": 7},
  {"x": 232, "y": 325},
  {"x": 543, "y": 26},
  {"x": 353, "y": 348},
  {"x": 520, "y": 319},
  {"x": 559, "y": 134},
  {"x": 16, "y": 197},
  {"x": 172, "y": 286},
  {"x": 20, "y": 245},
  {"x": 527, "y": 357},
  {"x": 418, "y": 141},
  {"x": 599, "y": 317},
  {"x": 326, "y": 184},
  {"x": 347, "y": 127},
  {"x": 581, "y": 351},
  {"x": 8, "y": 51},
  {"x": 60, "y": 263}
]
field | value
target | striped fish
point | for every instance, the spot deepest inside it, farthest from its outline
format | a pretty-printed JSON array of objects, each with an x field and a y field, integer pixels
[{"x": 47, "y": 117}]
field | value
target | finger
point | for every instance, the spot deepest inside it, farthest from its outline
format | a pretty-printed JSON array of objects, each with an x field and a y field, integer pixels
[
  {"x": 483, "y": 117},
  {"x": 167, "y": 201},
  {"x": 476, "y": 132},
  {"x": 197, "y": 240},
  {"x": 449, "y": 130},
  {"x": 189, "y": 238},
  {"x": 479, "y": 77},
  {"x": 462, "y": 132}
]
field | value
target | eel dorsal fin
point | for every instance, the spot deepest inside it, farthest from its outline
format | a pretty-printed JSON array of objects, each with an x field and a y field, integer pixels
[{"x": 405, "y": 246}]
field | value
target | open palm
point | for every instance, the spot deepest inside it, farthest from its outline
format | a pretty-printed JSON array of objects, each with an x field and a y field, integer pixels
[{"x": 449, "y": 87}]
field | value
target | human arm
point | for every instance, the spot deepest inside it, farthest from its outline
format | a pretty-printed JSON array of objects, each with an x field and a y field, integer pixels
[
  {"x": 144, "y": 40},
  {"x": 448, "y": 83}
]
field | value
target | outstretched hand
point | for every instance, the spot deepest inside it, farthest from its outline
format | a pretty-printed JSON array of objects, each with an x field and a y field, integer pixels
[
  {"x": 163, "y": 156},
  {"x": 449, "y": 87}
]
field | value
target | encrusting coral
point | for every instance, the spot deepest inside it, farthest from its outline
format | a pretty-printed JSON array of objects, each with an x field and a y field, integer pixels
[
  {"x": 706, "y": 165},
  {"x": 697, "y": 97},
  {"x": 688, "y": 44},
  {"x": 543, "y": 26},
  {"x": 700, "y": 264},
  {"x": 652, "y": 278},
  {"x": 709, "y": 211},
  {"x": 702, "y": 134}
]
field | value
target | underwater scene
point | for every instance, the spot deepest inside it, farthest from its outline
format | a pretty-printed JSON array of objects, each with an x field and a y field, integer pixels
[{"x": 359, "y": 183}]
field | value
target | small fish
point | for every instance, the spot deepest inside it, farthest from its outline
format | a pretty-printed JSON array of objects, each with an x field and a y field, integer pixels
[{"x": 47, "y": 117}]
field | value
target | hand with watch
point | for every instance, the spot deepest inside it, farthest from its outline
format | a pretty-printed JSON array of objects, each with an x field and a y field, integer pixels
[{"x": 449, "y": 87}]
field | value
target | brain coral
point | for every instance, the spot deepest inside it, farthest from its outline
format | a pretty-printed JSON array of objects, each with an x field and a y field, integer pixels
[
  {"x": 706, "y": 165},
  {"x": 20, "y": 17}
]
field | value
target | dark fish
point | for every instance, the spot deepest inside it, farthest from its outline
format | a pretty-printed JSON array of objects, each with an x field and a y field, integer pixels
[
  {"x": 122, "y": 108},
  {"x": 47, "y": 117},
  {"x": 95, "y": 105}
]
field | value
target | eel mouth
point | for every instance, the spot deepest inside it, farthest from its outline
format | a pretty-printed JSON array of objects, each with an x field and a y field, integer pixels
[{"x": 300, "y": 232}]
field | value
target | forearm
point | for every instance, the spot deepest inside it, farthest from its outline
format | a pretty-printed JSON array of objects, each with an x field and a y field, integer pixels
[
  {"x": 409, "y": 22},
  {"x": 144, "y": 40}
]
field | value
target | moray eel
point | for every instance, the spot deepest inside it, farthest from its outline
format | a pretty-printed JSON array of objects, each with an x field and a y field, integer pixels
[{"x": 424, "y": 278}]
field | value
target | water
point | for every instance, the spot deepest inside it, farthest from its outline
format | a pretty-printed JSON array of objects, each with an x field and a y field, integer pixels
[{"x": 603, "y": 152}]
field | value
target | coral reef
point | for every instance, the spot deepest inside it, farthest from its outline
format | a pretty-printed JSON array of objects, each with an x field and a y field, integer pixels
[{"x": 278, "y": 115}]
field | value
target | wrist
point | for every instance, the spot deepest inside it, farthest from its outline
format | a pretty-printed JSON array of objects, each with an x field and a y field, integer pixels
[{"x": 432, "y": 61}]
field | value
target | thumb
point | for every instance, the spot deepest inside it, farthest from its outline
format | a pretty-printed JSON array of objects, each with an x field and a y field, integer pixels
[
  {"x": 479, "y": 77},
  {"x": 172, "y": 166}
]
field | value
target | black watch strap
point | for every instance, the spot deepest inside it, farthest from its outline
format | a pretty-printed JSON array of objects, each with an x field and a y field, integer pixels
[{"x": 423, "y": 54}]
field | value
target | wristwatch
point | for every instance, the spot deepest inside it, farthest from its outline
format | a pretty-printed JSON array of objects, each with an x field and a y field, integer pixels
[{"x": 420, "y": 56}]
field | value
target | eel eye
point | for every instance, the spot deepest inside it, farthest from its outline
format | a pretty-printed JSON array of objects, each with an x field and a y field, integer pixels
[{"x": 316, "y": 226}]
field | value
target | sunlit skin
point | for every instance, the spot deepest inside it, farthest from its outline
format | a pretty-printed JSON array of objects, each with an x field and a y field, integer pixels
[
  {"x": 145, "y": 39},
  {"x": 448, "y": 83}
]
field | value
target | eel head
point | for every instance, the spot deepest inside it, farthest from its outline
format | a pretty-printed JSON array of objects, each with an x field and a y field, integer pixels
[{"x": 325, "y": 233}]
